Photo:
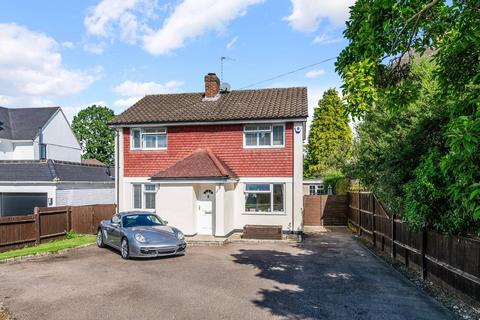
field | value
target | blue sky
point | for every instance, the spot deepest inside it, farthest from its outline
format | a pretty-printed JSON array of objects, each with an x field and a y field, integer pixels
[{"x": 75, "y": 53}]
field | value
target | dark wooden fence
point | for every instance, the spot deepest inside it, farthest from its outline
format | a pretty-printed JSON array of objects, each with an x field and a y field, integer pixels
[
  {"x": 51, "y": 223},
  {"x": 450, "y": 261},
  {"x": 325, "y": 210}
]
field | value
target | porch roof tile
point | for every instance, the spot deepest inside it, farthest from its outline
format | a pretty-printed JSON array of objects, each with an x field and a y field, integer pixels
[{"x": 202, "y": 163}]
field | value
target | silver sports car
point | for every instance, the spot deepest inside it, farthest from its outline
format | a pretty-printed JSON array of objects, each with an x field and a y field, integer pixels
[{"x": 140, "y": 234}]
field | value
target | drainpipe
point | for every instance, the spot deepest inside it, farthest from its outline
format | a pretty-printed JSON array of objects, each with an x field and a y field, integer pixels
[{"x": 117, "y": 167}]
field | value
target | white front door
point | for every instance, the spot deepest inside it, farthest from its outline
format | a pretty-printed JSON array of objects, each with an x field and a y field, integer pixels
[{"x": 205, "y": 210}]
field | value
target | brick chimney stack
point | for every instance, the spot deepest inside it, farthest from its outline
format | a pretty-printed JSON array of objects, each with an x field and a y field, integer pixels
[{"x": 212, "y": 85}]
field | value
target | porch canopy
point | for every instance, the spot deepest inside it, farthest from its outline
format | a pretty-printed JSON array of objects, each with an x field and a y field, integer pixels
[{"x": 200, "y": 165}]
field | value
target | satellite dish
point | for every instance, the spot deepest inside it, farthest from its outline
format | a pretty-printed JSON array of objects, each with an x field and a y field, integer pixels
[{"x": 224, "y": 87}]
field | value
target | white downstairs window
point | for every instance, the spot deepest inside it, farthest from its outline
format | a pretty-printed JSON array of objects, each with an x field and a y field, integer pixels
[
  {"x": 149, "y": 138},
  {"x": 264, "y": 135},
  {"x": 143, "y": 196},
  {"x": 264, "y": 197}
]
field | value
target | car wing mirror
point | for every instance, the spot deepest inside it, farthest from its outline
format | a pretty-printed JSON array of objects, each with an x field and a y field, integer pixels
[{"x": 165, "y": 221}]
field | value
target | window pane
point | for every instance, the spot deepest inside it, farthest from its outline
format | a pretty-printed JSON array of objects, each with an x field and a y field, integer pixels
[
  {"x": 161, "y": 141},
  {"x": 149, "y": 187},
  {"x": 264, "y": 139},
  {"x": 278, "y": 135},
  {"x": 150, "y": 141},
  {"x": 251, "y": 127},
  {"x": 257, "y": 187},
  {"x": 137, "y": 196},
  {"x": 257, "y": 202},
  {"x": 312, "y": 190},
  {"x": 278, "y": 197},
  {"x": 154, "y": 130},
  {"x": 250, "y": 139},
  {"x": 264, "y": 127},
  {"x": 136, "y": 139},
  {"x": 149, "y": 200}
]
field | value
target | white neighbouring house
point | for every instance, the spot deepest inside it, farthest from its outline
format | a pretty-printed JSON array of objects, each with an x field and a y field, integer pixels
[
  {"x": 212, "y": 162},
  {"x": 40, "y": 164},
  {"x": 37, "y": 134}
]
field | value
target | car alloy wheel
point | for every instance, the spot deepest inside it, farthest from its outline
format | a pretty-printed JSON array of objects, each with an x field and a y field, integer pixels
[
  {"x": 124, "y": 249},
  {"x": 100, "y": 243}
]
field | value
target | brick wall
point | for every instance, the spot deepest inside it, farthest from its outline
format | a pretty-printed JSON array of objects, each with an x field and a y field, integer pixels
[{"x": 226, "y": 141}]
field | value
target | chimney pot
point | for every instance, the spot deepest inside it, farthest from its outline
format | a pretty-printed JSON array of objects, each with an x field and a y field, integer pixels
[{"x": 212, "y": 85}]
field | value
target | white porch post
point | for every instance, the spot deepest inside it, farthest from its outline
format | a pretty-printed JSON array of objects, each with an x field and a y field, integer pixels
[{"x": 219, "y": 210}]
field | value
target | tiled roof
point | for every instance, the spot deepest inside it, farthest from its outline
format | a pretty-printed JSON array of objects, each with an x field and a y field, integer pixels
[
  {"x": 202, "y": 163},
  {"x": 53, "y": 170},
  {"x": 260, "y": 104},
  {"x": 23, "y": 123}
]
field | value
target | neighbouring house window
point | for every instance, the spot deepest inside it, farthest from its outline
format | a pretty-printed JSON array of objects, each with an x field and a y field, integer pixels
[
  {"x": 264, "y": 197},
  {"x": 149, "y": 138},
  {"x": 316, "y": 189},
  {"x": 143, "y": 196},
  {"x": 43, "y": 151},
  {"x": 264, "y": 135}
]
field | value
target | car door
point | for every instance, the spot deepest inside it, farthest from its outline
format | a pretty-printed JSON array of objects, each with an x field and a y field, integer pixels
[{"x": 115, "y": 231}]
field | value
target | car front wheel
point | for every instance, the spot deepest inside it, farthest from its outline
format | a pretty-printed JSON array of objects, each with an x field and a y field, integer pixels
[
  {"x": 124, "y": 249},
  {"x": 100, "y": 242}
]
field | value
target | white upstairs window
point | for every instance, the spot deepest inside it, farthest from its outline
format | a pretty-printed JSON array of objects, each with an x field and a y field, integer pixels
[
  {"x": 148, "y": 138},
  {"x": 264, "y": 135}
]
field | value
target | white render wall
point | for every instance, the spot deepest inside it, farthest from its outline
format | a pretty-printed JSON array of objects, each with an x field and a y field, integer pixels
[
  {"x": 11, "y": 150},
  {"x": 50, "y": 189},
  {"x": 297, "y": 198},
  {"x": 176, "y": 203},
  {"x": 85, "y": 194},
  {"x": 60, "y": 140}
]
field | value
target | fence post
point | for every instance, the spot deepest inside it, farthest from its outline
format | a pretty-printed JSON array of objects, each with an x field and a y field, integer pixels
[
  {"x": 423, "y": 260},
  {"x": 374, "y": 235},
  {"x": 359, "y": 215},
  {"x": 36, "y": 212},
  {"x": 394, "y": 249},
  {"x": 69, "y": 218}
]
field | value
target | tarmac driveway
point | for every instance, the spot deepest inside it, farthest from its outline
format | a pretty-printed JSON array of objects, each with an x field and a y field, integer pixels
[{"x": 330, "y": 276}]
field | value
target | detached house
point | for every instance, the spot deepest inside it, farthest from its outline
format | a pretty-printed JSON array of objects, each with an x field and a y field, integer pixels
[
  {"x": 40, "y": 164},
  {"x": 213, "y": 161}
]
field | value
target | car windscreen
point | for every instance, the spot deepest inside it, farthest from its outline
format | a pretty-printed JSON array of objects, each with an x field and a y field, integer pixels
[{"x": 137, "y": 220}]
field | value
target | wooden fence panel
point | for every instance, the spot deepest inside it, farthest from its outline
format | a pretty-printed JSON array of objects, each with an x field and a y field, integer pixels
[
  {"x": 449, "y": 260},
  {"x": 17, "y": 232},
  {"x": 325, "y": 210},
  {"x": 51, "y": 223}
]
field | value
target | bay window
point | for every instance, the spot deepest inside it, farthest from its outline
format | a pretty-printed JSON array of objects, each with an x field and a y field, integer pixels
[
  {"x": 149, "y": 138},
  {"x": 265, "y": 197},
  {"x": 143, "y": 196},
  {"x": 264, "y": 135}
]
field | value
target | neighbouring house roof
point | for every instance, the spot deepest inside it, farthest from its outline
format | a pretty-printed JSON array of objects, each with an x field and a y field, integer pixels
[
  {"x": 259, "y": 104},
  {"x": 23, "y": 123},
  {"x": 92, "y": 161},
  {"x": 200, "y": 164},
  {"x": 53, "y": 170}
]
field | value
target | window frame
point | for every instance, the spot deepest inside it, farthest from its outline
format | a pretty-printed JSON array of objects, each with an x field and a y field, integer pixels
[
  {"x": 270, "y": 130},
  {"x": 271, "y": 192},
  {"x": 143, "y": 193},
  {"x": 143, "y": 133},
  {"x": 318, "y": 189}
]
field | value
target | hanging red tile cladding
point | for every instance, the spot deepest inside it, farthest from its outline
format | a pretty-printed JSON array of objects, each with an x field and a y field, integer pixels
[{"x": 226, "y": 141}]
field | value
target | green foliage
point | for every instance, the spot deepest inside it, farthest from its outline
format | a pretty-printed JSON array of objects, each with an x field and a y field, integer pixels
[
  {"x": 330, "y": 137},
  {"x": 91, "y": 128},
  {"x": 342, "y": 186},
  {"x": 70, "y": 234},
  {"x": 418, "y": 146}
]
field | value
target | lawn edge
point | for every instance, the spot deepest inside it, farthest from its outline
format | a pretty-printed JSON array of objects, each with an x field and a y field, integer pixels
[{"x": 40, "y": 255}]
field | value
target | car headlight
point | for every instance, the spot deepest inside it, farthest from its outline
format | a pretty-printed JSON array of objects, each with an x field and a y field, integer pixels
[
  {"x": 140, "y": 238},
  {"x": 180, "y": 235}
]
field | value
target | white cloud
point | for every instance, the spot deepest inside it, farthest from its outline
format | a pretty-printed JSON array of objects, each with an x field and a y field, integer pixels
[
  {"x": 33, "y": 77},
  {"x": 68, "y": 45},
  {"x": 232, "y": 42},
  {"x": 95, "y": 48},
  {"x": 134, "y": 91},
  {"x": 307, "y": 14},
  {"x": 192, "y": 18},
  {"x": 325, "y": 39},
  {"x": 315, "y": 73},
  {"x": 103, "y": 19}
]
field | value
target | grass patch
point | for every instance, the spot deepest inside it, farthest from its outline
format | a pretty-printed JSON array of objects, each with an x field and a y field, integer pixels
[{"x": 50, "y": 247}]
